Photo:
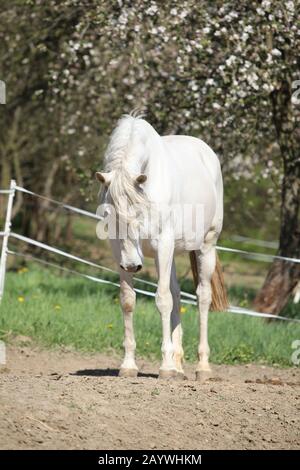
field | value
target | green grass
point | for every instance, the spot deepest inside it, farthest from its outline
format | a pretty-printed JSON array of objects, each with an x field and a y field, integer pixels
[{"x": 65, "y": 310}]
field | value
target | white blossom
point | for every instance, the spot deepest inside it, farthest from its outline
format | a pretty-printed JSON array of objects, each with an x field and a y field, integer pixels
[
  {"x": 152, "y": 10},
  {"x": 276, "y": 52}
]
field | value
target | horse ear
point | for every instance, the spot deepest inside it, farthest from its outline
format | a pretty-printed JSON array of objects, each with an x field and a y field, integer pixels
[
  {"x": 104, "y": 178},
  {"x": 141, "y": 179}
]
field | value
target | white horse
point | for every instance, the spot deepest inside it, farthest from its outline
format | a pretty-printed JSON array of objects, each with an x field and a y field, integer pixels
[{"x": 143, "y": 169}]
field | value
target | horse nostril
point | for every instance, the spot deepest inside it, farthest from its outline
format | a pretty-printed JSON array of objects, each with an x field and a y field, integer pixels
[{"x": 131, "y": 268}]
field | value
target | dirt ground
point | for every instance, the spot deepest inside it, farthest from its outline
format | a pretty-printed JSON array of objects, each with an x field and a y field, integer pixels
[{"x": 67, "y": 400}]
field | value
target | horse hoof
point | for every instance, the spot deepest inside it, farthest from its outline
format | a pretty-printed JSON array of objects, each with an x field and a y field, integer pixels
[
  {"x": 181, "y": 376},
  {"x": 203, "y": 375},
  {"x": 167, "y": 374},
  {"x": 128, "y": 372}
]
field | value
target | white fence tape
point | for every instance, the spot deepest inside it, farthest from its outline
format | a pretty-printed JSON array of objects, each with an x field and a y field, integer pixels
[
  {"x": 72, "y": 271},
  {"x": 248, "y": 254},
  {"x": 82, "y": 260},
  {"x": 5, "y": 191},
  {"x": 61, "y": 204},
  {"x": 255, "y": 241},
  {"x": 252, "y": 313},
  {"x": 187, "y": 297},
  {"x": 231, "y": 309},
  {"x": 258, "y": 256},
  {"x": 57, "y": 251}
]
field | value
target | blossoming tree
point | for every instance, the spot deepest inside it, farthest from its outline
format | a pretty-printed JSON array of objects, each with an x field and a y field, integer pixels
[{"x": 227, "y": 71}]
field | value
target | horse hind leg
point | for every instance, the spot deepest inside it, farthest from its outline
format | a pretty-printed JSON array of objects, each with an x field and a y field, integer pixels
[
  {"x": 164, "y": 303},
  {"x": 206, "y": 261},
  {"x": 176, "y": 324}
]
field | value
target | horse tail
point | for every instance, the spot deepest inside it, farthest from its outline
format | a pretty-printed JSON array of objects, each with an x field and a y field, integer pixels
[{"x": 219, "y": 301}]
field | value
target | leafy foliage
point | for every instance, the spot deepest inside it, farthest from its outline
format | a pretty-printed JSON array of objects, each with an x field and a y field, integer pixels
[
  {"x": 226, "y": 71},
  {"x": 205, "y": 68}
]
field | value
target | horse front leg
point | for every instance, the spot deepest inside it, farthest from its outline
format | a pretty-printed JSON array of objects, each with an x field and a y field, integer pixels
[
  {"x": 127, "y": 300},
  {"x": 164, "y": 303}
]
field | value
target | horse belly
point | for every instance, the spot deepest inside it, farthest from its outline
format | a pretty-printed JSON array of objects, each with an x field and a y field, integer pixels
[{"x": 197, "y": 198}]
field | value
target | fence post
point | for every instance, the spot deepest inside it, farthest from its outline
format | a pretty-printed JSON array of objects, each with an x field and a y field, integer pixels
[{"x": 6, "y": 235}]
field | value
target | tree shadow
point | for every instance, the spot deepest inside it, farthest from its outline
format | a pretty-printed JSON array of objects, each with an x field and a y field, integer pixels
[{"x": 109, "y": 373}]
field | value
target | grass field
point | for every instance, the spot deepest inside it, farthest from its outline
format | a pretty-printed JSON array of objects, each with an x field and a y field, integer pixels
[{"x": 55, "y": 309}]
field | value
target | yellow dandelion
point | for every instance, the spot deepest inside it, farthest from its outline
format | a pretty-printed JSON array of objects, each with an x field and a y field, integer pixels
[
  {"x": 21, "y": 298},
  {"x": 182, "y": 309},
  {"x": 57, "y": 307},
  {"x": 109, "y": 326},
  {"x": 22, "y": 270}
]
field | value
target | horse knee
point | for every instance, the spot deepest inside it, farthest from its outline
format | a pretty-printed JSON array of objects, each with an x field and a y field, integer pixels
[
  {"x": 127, "y": 299},
  {"x": 204, "y": 293},
  {"x": 164, "y": 300}
]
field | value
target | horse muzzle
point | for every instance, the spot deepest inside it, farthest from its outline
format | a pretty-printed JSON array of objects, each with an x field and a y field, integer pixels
[{"x": 132, "y": 268}]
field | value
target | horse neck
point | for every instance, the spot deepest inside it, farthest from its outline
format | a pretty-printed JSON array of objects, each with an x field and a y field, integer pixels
[
  {"x": 147, "y": 151},
  {"x": 156, "y": 167},
  {"x": 144, "y": 152}
]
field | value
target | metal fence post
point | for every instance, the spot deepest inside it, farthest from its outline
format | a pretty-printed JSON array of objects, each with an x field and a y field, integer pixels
[{"x": 6, "y": 235}]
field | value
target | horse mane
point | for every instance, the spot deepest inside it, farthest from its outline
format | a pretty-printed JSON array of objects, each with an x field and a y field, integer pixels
[{"x": 123, "y": 190}]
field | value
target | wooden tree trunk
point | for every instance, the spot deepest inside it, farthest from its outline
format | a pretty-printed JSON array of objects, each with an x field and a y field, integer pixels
[
  {"x": 283, "y": 276},
  {"x": 4, "y": 184}
]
